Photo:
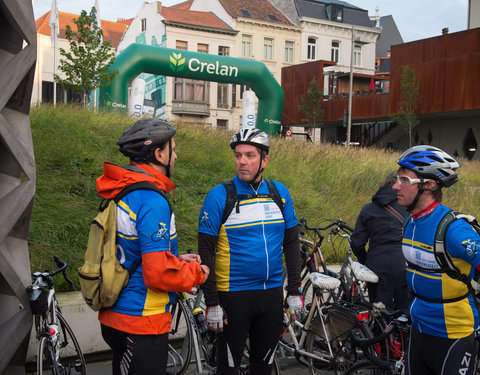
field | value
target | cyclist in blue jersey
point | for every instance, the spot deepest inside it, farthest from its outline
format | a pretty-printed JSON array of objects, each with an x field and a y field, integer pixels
[
  {"x": 243, "y": 249},
  {"x": 136, "y": 327},
  {"x": 444, "y": 314}
]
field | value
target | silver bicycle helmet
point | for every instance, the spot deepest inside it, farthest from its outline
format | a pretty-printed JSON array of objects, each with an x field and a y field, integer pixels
[
  {"x": 138, "y": 141},
  {"x": 431, "y": 162},
  {"x": 251, "y": 136}
]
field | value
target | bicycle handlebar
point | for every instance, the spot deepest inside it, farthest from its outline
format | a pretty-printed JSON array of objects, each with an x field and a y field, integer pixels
[
  {"x": 61, "y": 267},
  {"x": 339, "y": 223}
]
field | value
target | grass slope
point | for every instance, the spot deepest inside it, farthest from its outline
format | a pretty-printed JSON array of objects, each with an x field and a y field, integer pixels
[{"x": 71, "y": 144}]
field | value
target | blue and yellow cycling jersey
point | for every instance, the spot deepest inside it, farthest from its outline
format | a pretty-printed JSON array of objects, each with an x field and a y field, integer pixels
[
  {"x": 449, "y": 319},
  {"x": 144, "y": 224},
  {"x": 249, "y": 246}
]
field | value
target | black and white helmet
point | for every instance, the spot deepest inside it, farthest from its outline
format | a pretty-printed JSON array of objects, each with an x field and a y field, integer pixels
[
  {"x": 251, "y": 136},
  {"x": 138, "y": 141},
  {"x": 431, "y": 162}
]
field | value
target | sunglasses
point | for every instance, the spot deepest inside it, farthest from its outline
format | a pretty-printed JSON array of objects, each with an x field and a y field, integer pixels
[{"x": 405, "y": 180}]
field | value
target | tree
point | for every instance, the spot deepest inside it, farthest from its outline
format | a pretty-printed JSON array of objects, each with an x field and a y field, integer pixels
[
  {"x": 86, "y": 63},
  {"x": 406, "y": 116},
  {"x": 311, "y": 105}
]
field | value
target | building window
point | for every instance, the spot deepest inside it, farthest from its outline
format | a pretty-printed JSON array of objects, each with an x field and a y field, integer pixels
[
  {"x": 143, "y": 25},
  {"x": 222, "y": 124},
  {"x": 268, "y": 49},
  {"x": 246, "y": 46},
  {"x": 335, "y": 51},
  {"x": 222, "y": 95},
  {"x": 181, "y": 44},
  {"x": 357, "y": 55},
  {"x": 245, "y": 13},
  {"x": 202, "y": 48},
  {"x": 190, "y": 90},
  {"x": 223, "y": 51},
  {"x": 311, "y": 48},
  {"x": 334, "y": 13},
  {"x": 289, "y": 51}
]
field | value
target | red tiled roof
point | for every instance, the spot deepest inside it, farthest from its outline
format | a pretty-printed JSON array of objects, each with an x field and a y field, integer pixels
[
  {"x": 192, "y": 17},
  {"x": 183, "y": 5},
  {"x": 112, "y": 31},
  {"x": 257, "y": 8}
]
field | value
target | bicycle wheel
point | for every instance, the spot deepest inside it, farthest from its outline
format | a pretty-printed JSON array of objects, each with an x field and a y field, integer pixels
[
  {"x": 46, "y": 363},
  {"x": 366, "y": 368},
  {"x": 338, "y": 327},
  {"x": 180, "y": 338},
  {"x": 71, "y": 358}
]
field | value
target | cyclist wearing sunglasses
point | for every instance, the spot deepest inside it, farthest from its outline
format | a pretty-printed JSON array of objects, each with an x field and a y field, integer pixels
[{"x": 443, "y": 310}]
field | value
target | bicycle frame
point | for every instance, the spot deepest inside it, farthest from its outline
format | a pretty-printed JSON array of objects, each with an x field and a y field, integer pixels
[{"x": 299, "y": 344}]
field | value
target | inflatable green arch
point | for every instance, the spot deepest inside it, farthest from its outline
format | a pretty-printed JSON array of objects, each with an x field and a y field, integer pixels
[{"x": 138, "y": 58}]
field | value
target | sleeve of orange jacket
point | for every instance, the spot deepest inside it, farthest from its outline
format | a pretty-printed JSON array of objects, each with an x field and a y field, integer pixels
[{"x": 164, "y": 272}]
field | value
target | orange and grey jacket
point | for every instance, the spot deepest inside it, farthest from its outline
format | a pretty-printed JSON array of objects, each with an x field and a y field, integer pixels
[{"x": 146, "y": 231}]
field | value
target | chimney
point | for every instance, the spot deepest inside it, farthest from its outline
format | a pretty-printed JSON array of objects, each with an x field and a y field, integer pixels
[
  {"x": 445, "y": 30},
  {"x": 159, "y": 7}
]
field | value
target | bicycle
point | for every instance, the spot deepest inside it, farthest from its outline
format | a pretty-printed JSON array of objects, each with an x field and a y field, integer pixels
[
  {"x": 321, "y": 340},
  {"x": 58, "y": 350},
  {"x": 190, "y": 336},
  {"x": 395, "y": 338},
  {"x": 312, "y": 260}
]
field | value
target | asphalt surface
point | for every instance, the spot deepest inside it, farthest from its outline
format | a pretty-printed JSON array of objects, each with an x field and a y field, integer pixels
[{"x": 288, "y": 366}]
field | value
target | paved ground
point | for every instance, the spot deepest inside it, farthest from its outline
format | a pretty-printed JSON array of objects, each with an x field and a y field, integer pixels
[{"x": 288, "y": 367}]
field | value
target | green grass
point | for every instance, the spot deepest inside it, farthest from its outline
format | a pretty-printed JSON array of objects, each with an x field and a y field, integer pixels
[{"x": 325, "y": 181}]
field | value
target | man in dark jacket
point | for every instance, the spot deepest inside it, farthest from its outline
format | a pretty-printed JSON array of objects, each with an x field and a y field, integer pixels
[{"x": 380, "y": 224}]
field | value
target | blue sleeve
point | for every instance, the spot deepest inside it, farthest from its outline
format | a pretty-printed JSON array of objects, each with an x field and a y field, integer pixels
[
  {"x": 463, "y": 242},
  {"x": 289, "y": 213},
  {"x": 210, "y": 218},
  {"x": 153, "y": 223}
]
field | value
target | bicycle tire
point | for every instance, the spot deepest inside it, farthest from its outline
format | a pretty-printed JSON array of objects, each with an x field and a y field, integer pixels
[
  {"x": 71, "y": 356},
  {"x": 344, "y": 352},
  {"x": 366, "y": 368},
  {"x": 46, "y": 363},
  {"x": 180, "y": 338}
]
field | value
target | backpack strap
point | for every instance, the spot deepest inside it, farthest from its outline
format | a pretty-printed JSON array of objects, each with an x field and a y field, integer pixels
[
  {"x": 275, "y": 195},
  {"x": 144, "y": 185},
  {"x": 394, "y": 212},
  {"x": 443, "y": 258},
  {"x": 233, "y": 199}
]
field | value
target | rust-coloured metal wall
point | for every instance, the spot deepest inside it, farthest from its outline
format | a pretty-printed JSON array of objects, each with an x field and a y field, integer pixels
[
  {"x": 296, "y": 82},
  {"x": 447, "y": 69}
]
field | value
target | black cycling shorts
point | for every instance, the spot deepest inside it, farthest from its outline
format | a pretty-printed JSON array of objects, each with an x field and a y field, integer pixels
[
  {"x": 258, "y": 315},
  {"x": 136, "y": 354},
  {"x": 441, "y": 356}
]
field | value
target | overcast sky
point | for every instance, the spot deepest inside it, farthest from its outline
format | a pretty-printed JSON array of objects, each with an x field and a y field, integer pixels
[{"x": 415, "y": 19}]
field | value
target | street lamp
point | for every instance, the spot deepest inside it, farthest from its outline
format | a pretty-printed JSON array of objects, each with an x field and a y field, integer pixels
[{"x": 349, "y": 121}]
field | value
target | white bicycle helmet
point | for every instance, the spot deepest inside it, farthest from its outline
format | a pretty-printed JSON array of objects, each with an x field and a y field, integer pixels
[{"x": 251, "y": 136}]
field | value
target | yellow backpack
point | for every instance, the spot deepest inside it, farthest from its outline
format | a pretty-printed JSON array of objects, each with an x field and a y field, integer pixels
[{"x": 102, "y": 277}]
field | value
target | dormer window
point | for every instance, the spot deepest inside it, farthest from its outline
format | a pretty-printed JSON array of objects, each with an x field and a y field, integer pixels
[
  {"x": 273, "y": 18},
  {"x": 245, "y": 13},
  {"x": 334, "y": 12}
]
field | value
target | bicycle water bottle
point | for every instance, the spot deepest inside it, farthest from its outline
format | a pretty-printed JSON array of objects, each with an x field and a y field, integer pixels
[
  {"x": 200, "y": 319},
  {"x": 53, "y": 328}
]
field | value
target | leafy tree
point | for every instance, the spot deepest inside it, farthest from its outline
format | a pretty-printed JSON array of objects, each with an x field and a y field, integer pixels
[
  {"x": 406, "y": 116},
  {"x": 86, "y": 63},
  {"x": 311, "y": 105}
]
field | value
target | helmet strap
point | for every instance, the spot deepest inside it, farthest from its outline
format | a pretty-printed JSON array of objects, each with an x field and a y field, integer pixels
[
  {"x": 421, "y": 189},
  {"x": 167, "y": 166},
  {"x": 260, "y": 169}
]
